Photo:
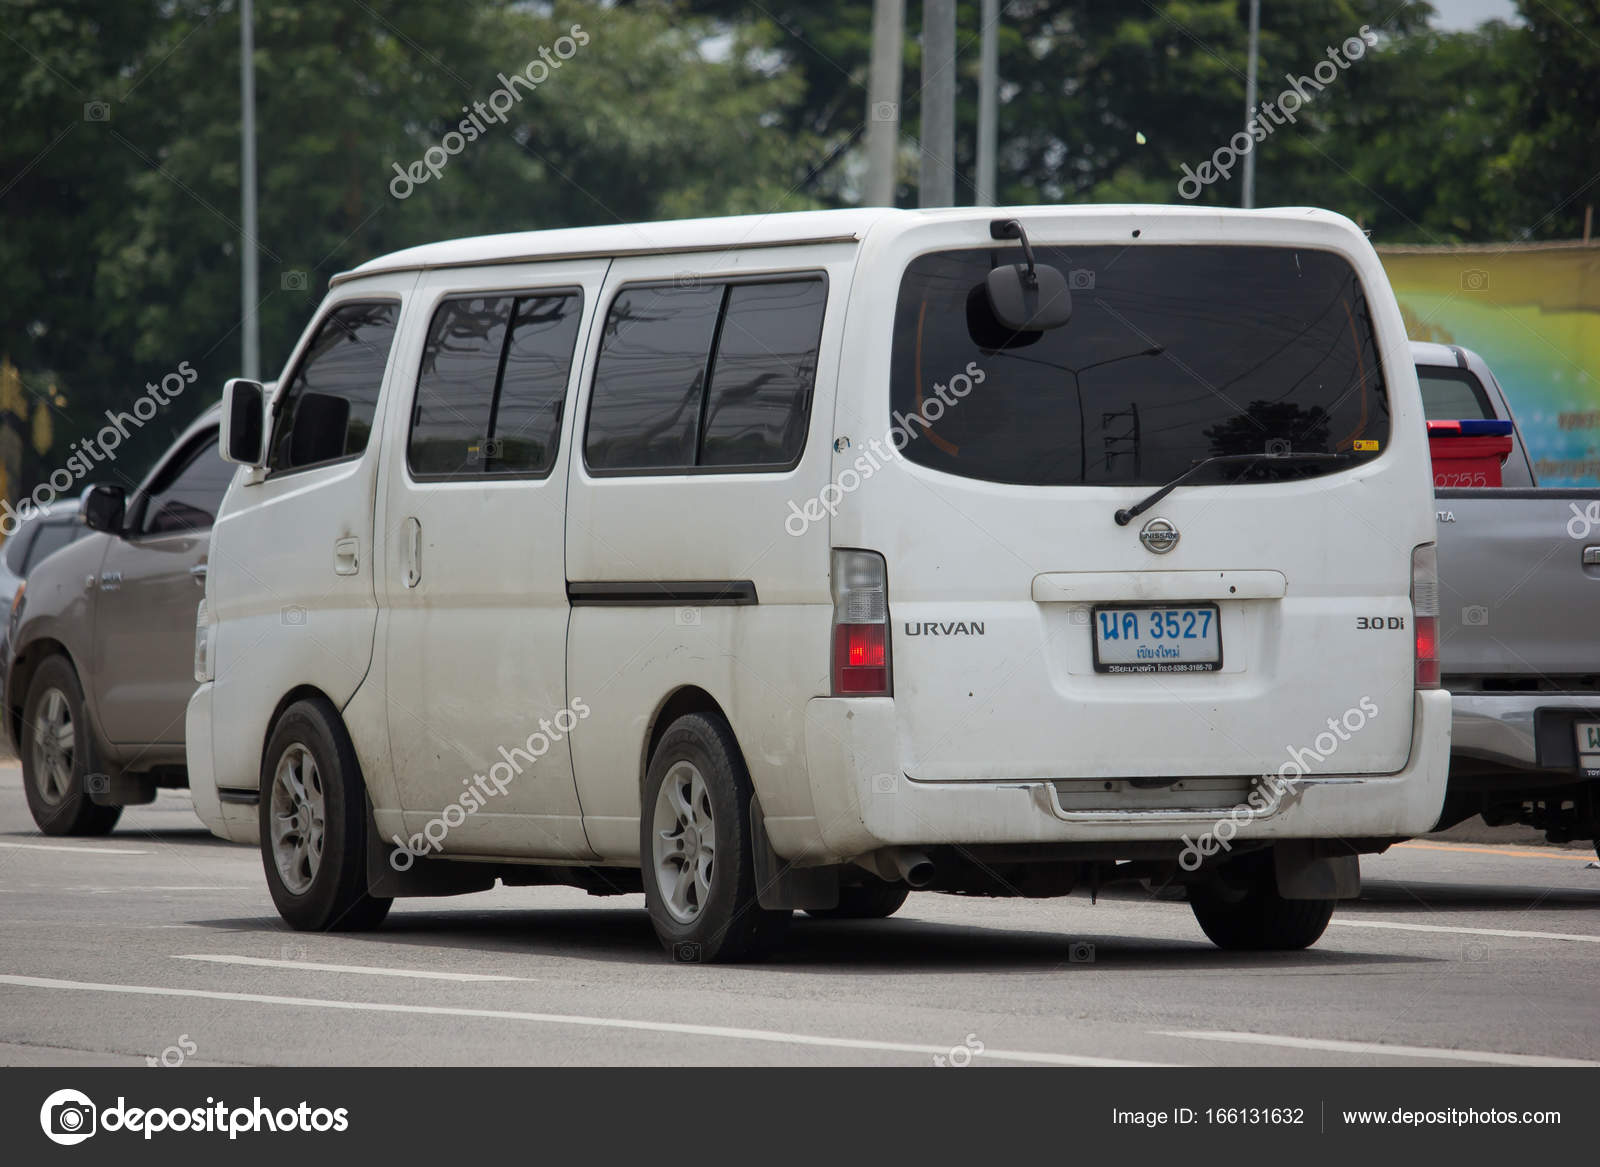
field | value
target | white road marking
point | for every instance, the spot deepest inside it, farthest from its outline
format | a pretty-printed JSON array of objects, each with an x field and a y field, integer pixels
[
  {"x": 73, "y": 850},
  {"x": 723, "y": 1031},
  {"x": 1512, "y": 933},
  {"x": 367, "y": 970},
  {"x": 1488, "y": 1057}
]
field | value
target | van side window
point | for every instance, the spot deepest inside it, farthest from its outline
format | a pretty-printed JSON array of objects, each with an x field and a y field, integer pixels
[
  {"x": 759, "y": 402},
  {"x": 713, "y": 376},
  {"x": 489, "y": 398},
  {"x": 650, "y": 378},
  {"x": 326, "y": 413}
]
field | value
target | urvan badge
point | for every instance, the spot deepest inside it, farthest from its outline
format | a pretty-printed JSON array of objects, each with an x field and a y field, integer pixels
[{"x": 1159, "y": 536}]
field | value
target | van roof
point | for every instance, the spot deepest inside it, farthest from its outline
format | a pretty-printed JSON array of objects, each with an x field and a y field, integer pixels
[{"x": 737, "y": 232}]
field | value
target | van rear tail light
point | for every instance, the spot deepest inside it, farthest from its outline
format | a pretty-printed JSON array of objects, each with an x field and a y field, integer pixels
[
  {"x": 1425, "y": 613},
  {"x": 860, "y": 625}
]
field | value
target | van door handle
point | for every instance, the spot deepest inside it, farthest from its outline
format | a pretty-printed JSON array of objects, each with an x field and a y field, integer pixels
[
  {"x": 346, "y": 556},
  {"x": 413, "y": 553},
  {"x": 199, "y": 573}
]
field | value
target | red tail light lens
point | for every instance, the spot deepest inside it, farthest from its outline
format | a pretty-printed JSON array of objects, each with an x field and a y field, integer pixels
[
  {"x": 1425, "y": 613},
  {"x": 860, "y": 625}
]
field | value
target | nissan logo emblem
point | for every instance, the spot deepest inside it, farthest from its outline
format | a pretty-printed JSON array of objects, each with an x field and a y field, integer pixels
[{"x": 1159, "y": 536}]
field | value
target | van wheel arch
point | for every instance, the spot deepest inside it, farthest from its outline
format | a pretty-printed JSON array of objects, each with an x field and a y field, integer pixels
[
  {"x": 679, "y": 703},
  {"x": 298, "y": 693}
]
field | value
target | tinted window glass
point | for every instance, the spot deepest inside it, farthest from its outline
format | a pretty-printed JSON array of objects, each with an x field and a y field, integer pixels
[
  {"x": 52, "y": 538},
  {"x": 760, "y": 395},
  {"x": 455, "y": 388},
  {"x": 1172, "y": 355},
  {"x": 326, "y": 413},
  {"x": 648, "y": 385},
  {"x": 527, "y": 419},
  {"x": 189, "y": 500},
  {"x": 1452, "y": 394}
]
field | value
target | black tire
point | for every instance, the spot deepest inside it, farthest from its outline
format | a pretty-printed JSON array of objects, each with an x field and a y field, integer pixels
[
  {"x": 334, "y": 896},
  {"x": 729, "y": 923},
  {"x": 56, "y": 778},
  {"x": 875, "y": 900},
  {"x": 1243, "y": 912}
]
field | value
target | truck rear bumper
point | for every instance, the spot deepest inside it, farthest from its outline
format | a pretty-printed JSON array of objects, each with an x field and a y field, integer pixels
[
  {"x": 864, "y": 801},
  {"x": 1502, "y": 727}
]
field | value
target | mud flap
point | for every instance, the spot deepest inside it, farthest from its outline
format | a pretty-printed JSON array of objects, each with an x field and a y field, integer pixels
[
  {"x": 421, "y": 877},
  {"x": 779, "y": 885},
  {"x": 1305, "y": 871}
]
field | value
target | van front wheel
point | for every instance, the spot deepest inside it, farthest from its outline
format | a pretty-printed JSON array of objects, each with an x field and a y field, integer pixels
[
  {"x": 695, "y": 848},
  {"x": 314, "y": 824},
  {"x": 1241, "y": 911}
]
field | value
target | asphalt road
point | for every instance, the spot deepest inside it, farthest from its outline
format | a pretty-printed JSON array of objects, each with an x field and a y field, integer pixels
[{"x": 160, "y": 942}]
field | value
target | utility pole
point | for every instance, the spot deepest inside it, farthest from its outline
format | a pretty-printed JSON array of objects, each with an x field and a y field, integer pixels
[
  {"x": 249, "y": 279},
  {"x": 883, "y": 100},
  {"x": 937, "y": 187},
  {"x": 988, "y": 112},
  {"x": 1250, "y": 103}
]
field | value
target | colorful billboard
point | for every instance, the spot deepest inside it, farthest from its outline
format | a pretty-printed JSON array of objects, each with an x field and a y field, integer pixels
[{"x": 1533, "y": 312}]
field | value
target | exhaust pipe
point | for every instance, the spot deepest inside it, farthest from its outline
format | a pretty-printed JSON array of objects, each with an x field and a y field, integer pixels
[{"x": 914, "y": 867}]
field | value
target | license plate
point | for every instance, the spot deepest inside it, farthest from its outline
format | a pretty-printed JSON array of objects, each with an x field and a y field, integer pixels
[
  {"x": 1185, "y": 638},
  {"x": 1588, "y": 747}
]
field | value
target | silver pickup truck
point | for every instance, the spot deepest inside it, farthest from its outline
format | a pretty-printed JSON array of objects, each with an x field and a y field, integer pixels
[{"x": 1519, "y": 577}]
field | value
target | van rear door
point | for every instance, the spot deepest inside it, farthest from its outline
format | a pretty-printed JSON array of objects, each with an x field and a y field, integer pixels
[{"x": 1260, "y": 613}]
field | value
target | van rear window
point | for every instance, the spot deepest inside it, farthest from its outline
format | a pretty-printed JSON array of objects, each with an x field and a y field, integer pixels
[{"x": 1172, "y": 355}]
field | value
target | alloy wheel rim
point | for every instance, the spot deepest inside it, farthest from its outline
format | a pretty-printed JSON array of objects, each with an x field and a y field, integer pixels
[
  {"x": 54, "y": 747},
  {"x": 297, "y": 818},
  {"x": 684, "y": 842}
]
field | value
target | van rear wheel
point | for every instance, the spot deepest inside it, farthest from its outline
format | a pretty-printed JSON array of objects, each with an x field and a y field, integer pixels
[
  {"x": 877, "y": 900},
  {"x": 1241, "y": 910},
  {"x": 695, "y": 848},
  {"x": 314, "y": 823}
]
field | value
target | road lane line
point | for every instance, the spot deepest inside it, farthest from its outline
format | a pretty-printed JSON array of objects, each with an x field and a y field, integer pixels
[
  {"x": 1511, "y": 933},
  {"x": 767, "y": 1035},
  {"x": 73, "y": 850},
  {"x": 1580, "y": 857},
  {"x": 263, "y": 962},
  {"x": 1327, "y": 1045}
]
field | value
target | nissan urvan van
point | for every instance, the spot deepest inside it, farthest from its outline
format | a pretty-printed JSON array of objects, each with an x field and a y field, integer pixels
[{"x": 795, "y": 562}]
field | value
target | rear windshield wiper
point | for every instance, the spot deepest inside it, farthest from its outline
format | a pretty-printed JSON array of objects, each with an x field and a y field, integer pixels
[{"x": 1126, "y": 515}]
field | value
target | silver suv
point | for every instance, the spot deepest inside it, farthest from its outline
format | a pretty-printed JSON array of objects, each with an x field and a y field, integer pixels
[{"x": 102, "y": 636}]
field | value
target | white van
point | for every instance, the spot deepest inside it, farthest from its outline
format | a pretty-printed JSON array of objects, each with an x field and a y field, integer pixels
[{"x": 796, "y": 561}]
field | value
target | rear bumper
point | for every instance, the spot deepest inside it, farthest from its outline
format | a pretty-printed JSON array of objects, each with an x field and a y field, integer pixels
[
  {"x": 232, "y": 822},
  {"x": 863, "y": 800},
  {"x": 1502, "y": 727}
]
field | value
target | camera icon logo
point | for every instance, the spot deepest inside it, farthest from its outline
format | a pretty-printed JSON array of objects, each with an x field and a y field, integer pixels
[
  {"x": 97, "y": 111},
  {"x": 686, "y": 952},
  {"x": 883, "y": 783},
  {"x": 1081, "y": 952},
  {"x": 1475, "y": 615},
  {"x": 686, "y": 279},
  {"x": 293, "y": 616},
  {"x": 1078, "y": 616},
  {"x": 1475, "y": 952},
  {"x": 1279, "y": 447},
  {"x": 687, "y": 617},
  {"x": 1081, "y": 279},
  {"x": 294, "y": 281},
  {"x": 68, "y": 1117},
  {"x": 885, "y": 111},
  {"x": 1474, "y": 280},
  {"x": 97, "y": 783}
]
